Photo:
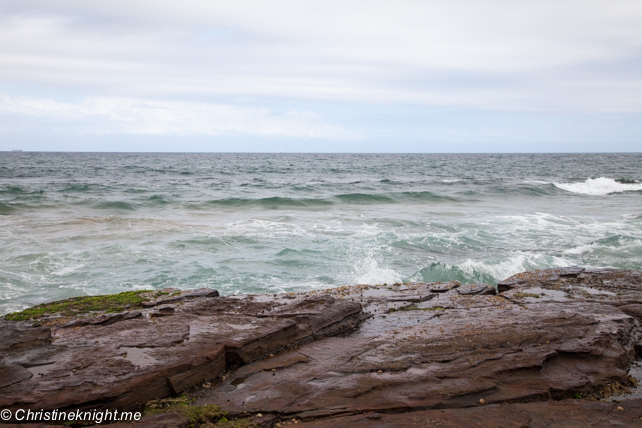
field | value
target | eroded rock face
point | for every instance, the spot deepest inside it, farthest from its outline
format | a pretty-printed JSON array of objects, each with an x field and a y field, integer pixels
[{"x": 124, "y": 360}]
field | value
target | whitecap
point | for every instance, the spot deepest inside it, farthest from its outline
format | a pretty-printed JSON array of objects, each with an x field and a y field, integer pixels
[
  {"x": 599, "y": 186},
  {"x": 581, "y": 249},
  {"x": 503, "y": 269}
]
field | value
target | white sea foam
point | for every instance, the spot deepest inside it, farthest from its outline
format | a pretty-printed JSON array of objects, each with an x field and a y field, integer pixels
[
  {"x": 598, "y": 186},
  {"x": 379, "y": 275},
  {"x": 580, "y": 249},
  {"x": 369, "y": 271},
  {"x": 506, "y": 268},
  {"x": 66, "y": 270},
  {"x": 536, "y": 182}
]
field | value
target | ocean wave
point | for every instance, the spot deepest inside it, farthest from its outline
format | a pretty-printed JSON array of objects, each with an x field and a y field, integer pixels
[
  {"x": 158, "y": 200},
  {"x": 67, "y": 270},
  {"x": 581, "y": 249},
  {"x": 364, "y": 198},
  {"x": 424, "y": 196},
  {"x": 12, "y": 190},
  {"x": 470, "y": 271},
  {"x": 619, "y": 243},
  {"x": 81, "y": 188},
  {"x": 273, "y": 202},
  {"x": 6, "y": 209},
  {"x": 119, "y": 205},
  {"x": 369, "y": 271},
  {"x": 600, "y": 186},
  {"x": 392, "y": 198},
  {"x": 346, "y": 198}
]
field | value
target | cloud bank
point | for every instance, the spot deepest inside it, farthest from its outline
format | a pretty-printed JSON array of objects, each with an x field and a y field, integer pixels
[
  {"x": 287, "y": 68},
  {"x": 111, "y": 115}
]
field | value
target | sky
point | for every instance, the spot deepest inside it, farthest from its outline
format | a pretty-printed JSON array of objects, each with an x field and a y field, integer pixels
[{"x": 321, "y": 76}]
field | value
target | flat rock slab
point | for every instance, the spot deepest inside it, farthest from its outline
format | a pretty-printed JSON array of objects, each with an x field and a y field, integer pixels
[
  {"x": 413, "y": 354},
  {"x": 442, "y": 359},
  {"x": 441, "y": 288},
  {"x": 615, "y": 287},
  {"x": 567, "y": 413},
  {"x": 447, "y": 352},
  {"x": 124, "y": 364},
  {"x": 475, "y": 289}
]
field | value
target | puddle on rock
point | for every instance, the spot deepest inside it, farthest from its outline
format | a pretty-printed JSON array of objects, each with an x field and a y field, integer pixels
[
  {"x": 545, "y": 295},
  {"x": 41, "y": 370},
  {"x": 635, "y": 371},
  {"x": 378, "y": 325},
  {"x": 139, "y": 356},
  {"x": 238, "y": 381},
  {"x": 596, "y": 292}
]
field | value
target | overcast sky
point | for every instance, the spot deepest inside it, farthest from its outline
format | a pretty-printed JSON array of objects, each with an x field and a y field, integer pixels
[{"x": 321, "y": 76}]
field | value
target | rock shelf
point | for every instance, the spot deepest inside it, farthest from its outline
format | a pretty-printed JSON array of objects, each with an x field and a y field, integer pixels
[{"x": 414, "y": 354}]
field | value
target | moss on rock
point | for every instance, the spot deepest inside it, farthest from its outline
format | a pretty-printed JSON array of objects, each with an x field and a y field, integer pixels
[
  {"x": 78, "y": 306},
  {"x": 207, "y": 416},
  {"x": 415, "y": 308},
  {"x": 526, "y": 295}
]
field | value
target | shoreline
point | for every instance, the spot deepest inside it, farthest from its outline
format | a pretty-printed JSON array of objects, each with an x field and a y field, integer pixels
[{"x": 551, "y": 340}]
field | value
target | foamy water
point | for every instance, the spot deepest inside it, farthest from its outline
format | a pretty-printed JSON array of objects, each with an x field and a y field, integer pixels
[
  {"x": 77, "y": 224},
  {"x": 599, "y": 186}
]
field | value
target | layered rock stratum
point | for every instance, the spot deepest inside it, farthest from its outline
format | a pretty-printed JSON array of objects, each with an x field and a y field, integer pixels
[{"x": 542, "y": 348}]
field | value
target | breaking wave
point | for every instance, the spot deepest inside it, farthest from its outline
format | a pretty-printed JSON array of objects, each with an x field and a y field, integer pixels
[{"x": 600, "y": 186}]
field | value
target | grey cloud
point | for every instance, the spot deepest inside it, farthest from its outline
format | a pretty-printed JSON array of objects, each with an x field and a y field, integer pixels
[
  {"x": 324, "y": 70},
  {"x": 493, "y": 55}
]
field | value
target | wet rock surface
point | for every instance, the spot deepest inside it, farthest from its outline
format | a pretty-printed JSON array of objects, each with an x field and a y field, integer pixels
[
  {"x": 415, "y": 354},
  {"x": 567, "y": 413},
  {"x": 124, "y": 363}
]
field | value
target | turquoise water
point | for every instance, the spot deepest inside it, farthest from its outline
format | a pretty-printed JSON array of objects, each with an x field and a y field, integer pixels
[{"x": 76, "y": 224}]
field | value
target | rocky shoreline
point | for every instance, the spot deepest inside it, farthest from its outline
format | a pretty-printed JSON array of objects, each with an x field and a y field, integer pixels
[{"x": 543, "y": 348}]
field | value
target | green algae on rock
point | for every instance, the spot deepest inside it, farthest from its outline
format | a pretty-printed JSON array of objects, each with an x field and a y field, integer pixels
[
  {"x": 207, "y": 416},
  {"x": 526, "y": 295},
  {"x": 79, "y": 306}
]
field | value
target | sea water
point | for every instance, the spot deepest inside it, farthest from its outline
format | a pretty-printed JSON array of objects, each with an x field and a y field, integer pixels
[{"x": 75, "y": 224}]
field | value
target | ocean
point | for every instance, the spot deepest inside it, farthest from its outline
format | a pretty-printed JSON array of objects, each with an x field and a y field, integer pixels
[{"x": 74, "y": 224}]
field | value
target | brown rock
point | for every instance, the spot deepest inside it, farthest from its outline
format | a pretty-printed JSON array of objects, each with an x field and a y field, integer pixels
[
  {"x": 414, "y": 354},
  {"x": 475, "y": 289},
  {"x": 163, "y": 420},
  {"x": 567, "y": 413},
  {"x": 632, "y": 309},
  {"x": 123, "y": 364},
  {"x": 449, "y": 352}
]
